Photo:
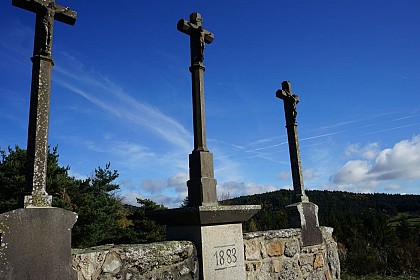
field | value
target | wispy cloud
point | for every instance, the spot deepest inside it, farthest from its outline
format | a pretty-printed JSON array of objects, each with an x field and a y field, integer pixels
[
  {"x": 111, "y": 98},
  {"x": 392, "y": 128},
  {"x": 18, "y": 42}
]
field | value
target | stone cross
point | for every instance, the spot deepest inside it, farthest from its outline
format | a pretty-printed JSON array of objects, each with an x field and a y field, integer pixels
[
  {"x": 198, "y": 38},
  {"x": 37, "y": 150},
  {"x": 202, "y": 185},
  {"x": 290, "y": 111}
]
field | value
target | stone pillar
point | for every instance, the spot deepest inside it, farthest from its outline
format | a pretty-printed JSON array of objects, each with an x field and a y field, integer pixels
[
  {"x": 215, "y": 230},
  {"x": 301, "y": 214}
]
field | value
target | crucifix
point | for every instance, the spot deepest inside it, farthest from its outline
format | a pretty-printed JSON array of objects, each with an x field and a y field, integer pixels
[
  {"x": 198, "y": 38},
  {"x": 37, "y": 150},
  {"x": 202, "y": 185},
  {"x": 290, "y": 101}
]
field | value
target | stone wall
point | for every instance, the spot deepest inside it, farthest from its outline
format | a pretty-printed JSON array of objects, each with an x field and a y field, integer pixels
[
  {"x": 163, "y": 260},
  {"x": 278, "y": 254},
  {"x": 273, "y": 254}
]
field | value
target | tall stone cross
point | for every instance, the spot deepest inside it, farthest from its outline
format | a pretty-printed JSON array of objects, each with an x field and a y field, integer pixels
[
  {"x": 37, "y": 150},
  {"x": 202, "y": 185},
  {"x": 290, "y": 101}
]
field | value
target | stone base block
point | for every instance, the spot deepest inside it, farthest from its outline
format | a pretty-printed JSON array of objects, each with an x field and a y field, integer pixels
[
  {"x": 36, "y": 244},
  {"x": 216, "y": 232},
  {"x": 220, "y": 249},
  {"x": 304, "y": 215}
]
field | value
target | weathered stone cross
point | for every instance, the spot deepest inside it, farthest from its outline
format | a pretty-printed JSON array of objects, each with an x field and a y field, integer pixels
[
  {"x": 198, "y": 37},
  {"x": 290, "y": 102},
  {"x": 202, "y": 185},
  {"x": 37, "y": 150}
]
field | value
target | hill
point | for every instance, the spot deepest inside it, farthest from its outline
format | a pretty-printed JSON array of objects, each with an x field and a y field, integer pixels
[{"x": 377, "y": 233}]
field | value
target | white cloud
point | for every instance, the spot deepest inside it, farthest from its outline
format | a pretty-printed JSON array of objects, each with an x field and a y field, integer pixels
[
  {"x": 400, "y": 162},
  {"x": 369, "y": 151},
  {"x": 309, "y": 174},
  {"x": 77, "y": 175},
  {"x": 178, "y": 181},
  {"x": 170, "y": 202},
  {"x": 392, "y": 187},
  {"x": 131, "y": 152},
  {"x": 169, "y": 192},
  {"x": 285, "y": 175},
  {"x": 235, "y": 188},
  {"x": 354, "y": 171},
  {"x": 160, "y": 190},
  {"x": 153, "y": 185},
  {"x": 366, "y": 187}
]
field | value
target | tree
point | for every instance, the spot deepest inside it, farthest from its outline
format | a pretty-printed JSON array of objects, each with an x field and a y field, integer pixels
[
  {"x": 12, "y": 177},
  {"x": 102, "y": 217},
  {"x": 13, "y": 166},
  {"x": 146, "y": 229}
]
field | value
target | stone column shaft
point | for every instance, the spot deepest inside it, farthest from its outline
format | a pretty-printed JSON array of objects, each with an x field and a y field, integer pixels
[
  {"x": 37, "y": 149},
  {"x": 199, "y": 114},
  {"x": 295, "y": 162}
]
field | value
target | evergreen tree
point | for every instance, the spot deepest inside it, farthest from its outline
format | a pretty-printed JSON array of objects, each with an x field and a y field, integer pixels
[{"x": 102, "y": 217}]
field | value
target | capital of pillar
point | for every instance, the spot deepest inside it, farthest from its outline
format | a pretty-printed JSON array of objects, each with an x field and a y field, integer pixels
[
  {"x": 39, "y": 58},
  {"x": 197, "y": 66},
  {"x": 37, "y": 200}
]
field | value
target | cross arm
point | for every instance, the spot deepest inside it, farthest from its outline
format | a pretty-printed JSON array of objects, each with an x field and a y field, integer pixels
[
  {"x": 188, "y": 28},
  {"x": 184, "y": 27},
  {"x": 62, "y": 14},
  {"x": 66, "y": 15},
  {"x": 281, "y": 94},
  {"x": 285, "y": 92}
]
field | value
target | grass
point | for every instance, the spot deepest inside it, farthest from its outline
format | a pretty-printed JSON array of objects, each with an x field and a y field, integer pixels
[
  {"x": 412, "y": 218},
  {"x": 376, "y": 277}
]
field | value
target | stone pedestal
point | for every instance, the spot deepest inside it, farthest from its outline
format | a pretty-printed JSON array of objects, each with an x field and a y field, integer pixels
[
  {"x": 216, "y": 232},
  {"x": 304, "y": 215},
  {"x": 36, "y": 244}
]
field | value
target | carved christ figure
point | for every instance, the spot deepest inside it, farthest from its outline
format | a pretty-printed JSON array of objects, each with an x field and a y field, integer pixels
[
  {"x": 199, "y": 37},
  {"x": 48, "y": 23},
  {"x": 290, "y": 101},
  {"x": 202, "y": 44}
]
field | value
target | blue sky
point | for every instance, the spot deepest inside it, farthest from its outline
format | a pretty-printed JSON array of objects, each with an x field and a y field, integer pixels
[{"x": 121, "y": 92}]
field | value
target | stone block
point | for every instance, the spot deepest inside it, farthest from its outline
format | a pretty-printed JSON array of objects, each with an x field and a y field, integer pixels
[
  {"x": 304, "y": 215},
  {"x": 333, "y": 260},
  {"x": 89, "y": 265},
  {"x": 220, "y": 249},
  {"x": 252, "y": 249},
  {"x": 291, "y": 248},
  {"x": 319, "y": 261},
  {"x": 253, "y": 266},
  {"x": 290, "y": 270},
  {"x": 306, "y": 259},
  {"x": 274, "y": 248},
  {"x": 327, "y": 275},
  {"x": 276, "y": 265},
  {"x": 306, "y": 270},
  {"x": 112, "y": 263},
  {"x": 36, "y": 244}
]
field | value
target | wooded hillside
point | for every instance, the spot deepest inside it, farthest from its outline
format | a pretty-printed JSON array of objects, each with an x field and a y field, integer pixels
[{"x": 376, "y": 233}]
